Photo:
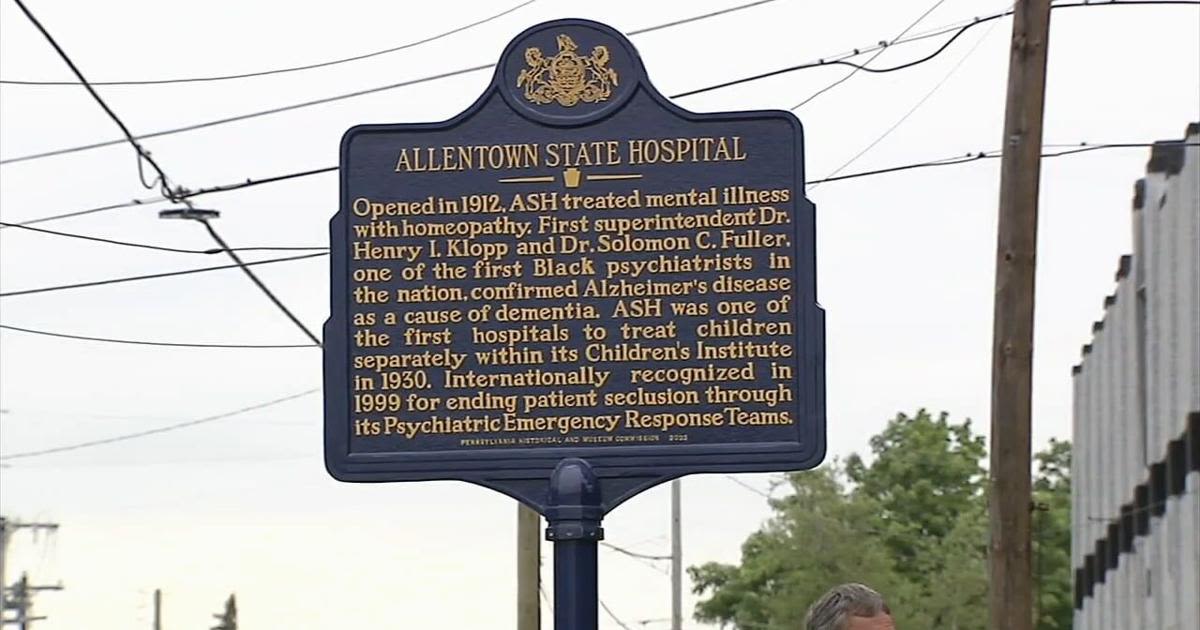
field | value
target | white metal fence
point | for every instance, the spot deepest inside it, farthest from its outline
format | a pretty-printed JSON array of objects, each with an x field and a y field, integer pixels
[{"x": 1135, "y": 530}]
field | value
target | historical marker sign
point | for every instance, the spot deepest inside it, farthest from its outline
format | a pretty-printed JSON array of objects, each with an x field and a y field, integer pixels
[{"x": 573, "y": 267}]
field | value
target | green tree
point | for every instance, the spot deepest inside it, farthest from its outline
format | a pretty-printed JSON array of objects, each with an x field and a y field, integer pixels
[
  {"x": 954, "y": 594},
  {"x": 1052, "y": 537},
  {"x": 911, "y": 521},
  {"x": 779, "y": 569},
  {"x": 925, "y": 474}
]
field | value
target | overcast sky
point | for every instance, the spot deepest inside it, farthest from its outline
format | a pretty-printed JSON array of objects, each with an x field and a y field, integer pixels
[{"x": 244, "y": 504}]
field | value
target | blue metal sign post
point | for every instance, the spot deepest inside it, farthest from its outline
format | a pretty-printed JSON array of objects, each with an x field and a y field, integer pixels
[
  {"x": 571, "y": 292},
  {"x": 574, "y": 514}
]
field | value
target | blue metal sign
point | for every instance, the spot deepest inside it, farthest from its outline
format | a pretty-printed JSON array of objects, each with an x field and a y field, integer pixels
[{"x": 573, "y": 270}]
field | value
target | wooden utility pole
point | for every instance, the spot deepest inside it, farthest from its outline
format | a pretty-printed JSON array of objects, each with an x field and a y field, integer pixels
[
  {"x": 23, "y": 595},
  {"x": 529, "y": 568},
  {"x": 157, "y": 609},
  {"x": 7, "y": 528},
  {"x": 1010, "y": 503}
]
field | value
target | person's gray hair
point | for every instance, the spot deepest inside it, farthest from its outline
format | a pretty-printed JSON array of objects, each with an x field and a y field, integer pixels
[{"x": 834, "y": 609}]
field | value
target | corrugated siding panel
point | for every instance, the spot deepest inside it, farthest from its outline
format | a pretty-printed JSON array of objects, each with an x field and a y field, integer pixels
[
  {"x": 1187, "y": 204},
  {"x": 1179, "y": 216},
  {"x": 1125, "y": 328},
  {"x": 1132, "y": 395},
  {"x": 1191, "y": 509},
  {"x": 1150, "y": 604},
  {"x": 1078, "y": 463},
  {"x": 1152, "y": 256},
  {"x": 1120, "y": 330},
  {"x": 1190, "y": 200},
  {"x": 1107, "y": 361},
  {"x": 1095, "y": 430}
]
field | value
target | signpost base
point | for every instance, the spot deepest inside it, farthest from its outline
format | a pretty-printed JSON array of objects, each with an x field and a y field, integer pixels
[{"x": 574, "y": 513}]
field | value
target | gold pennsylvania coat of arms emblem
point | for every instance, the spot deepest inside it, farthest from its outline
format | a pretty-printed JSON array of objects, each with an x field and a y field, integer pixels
[{"x": 567, "y": 78}]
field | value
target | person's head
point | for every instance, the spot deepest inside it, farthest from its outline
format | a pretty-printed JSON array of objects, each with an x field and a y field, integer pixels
[{"x": 849, "y": 607}]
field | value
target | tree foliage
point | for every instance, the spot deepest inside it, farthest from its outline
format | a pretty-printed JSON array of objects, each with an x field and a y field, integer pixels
[
  {"x": 1052, "y": 537},
  {"x": 911, "y": 522}
]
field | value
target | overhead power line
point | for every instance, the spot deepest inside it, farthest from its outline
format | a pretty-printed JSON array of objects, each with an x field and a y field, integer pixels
[
  {"x": 633, "y": 554},
  {"x": 137, "y": 342},
  {"x": 696, "y": 18},
  {"x": 958, "y": 31},
  {"x": 185, "y": 194},
  {"x": 250, "y": 183},
  {"x": 190, "y": 194},
  {"x": 1149, "y": 507},
  {"x": 232, "y": 253},
  {"x": 288, "y": 69},
  {"x": 614, "y": 616},
  {"x": 163, "y": 181},
  {"x": 141, "y": 152},
  {"x": 157, "y": 430},
  {"x": 958, "y": 159},
  {"x": 178, "y": 250},
  {"x": 240, "y": 117},
  {"x": 356, "y": 94},
  {"x": 873, "y": 57},
  {"x": 80, "y": 213},
  {"x": 912, "y": 110},
  {"x": 743, "y": 484},
  {"x": 453, "y": 73},
  {"x": 962, "y": 159},
  {"x": 151, "y": 276},
  {"x": 385, "y": 51},
  {"x": 985, "y": 155}
]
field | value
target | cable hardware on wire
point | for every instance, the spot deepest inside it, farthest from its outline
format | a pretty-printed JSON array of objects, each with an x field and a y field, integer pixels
[
  {"x": 248, "y": 183},
  {"x": 883, "y": 48},
  {"x": 912, "y": 110},
  {"x": 142, "y": 153},
  {"x": 165, "y": 182},
  {"x": 1083, "y": 147},
  {"x": 995, "y": 154},
  {"x": 957, "y": 33},
  {"x": 821, "y": 63}
]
